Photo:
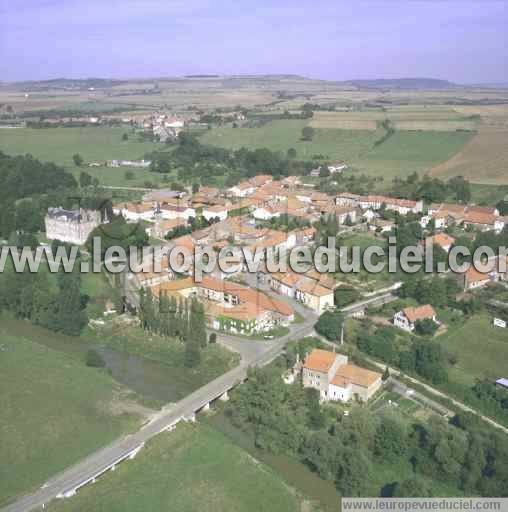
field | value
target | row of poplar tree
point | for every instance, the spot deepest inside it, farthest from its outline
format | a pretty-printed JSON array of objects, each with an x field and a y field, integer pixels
[{"x": 175, "y": 318}]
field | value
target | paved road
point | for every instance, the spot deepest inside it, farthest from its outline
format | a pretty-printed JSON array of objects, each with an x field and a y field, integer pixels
[
  {"x": 379, "y": 300},
  {"x": 265, "y": 352}
]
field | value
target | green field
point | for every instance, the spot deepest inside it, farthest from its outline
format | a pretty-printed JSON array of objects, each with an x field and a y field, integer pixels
[
  {"x": 488, "y": 194},
  {"x": 55, "y": 410},
  {"x": 192, "y": 469},
  {"x": 407, "y": 152},
  {"x": 94, "y": 144},
  {"x": 285, "y": 134},
  {"x": 401, "y": 154},
  {"x": 481, "y": 350}
]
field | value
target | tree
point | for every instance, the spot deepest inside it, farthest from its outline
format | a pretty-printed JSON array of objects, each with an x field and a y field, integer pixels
[
  {"x": 413, "y": 487},
  {"x": 330, "y": 325},
  {"x": 344, "y": 295},
  {"x": 426, "y": 327},
  {"x": 291, "y": 153},
  {"x": 129, "y": 175},
  {"x": 28, "y": 216},
  {"x": 195, "y": 188},
  {"x": 324, "y": 172},
  {"x": 212, "y": 338},
  {"x": 125, "y": 137},
  {"x": 192, "y": 355},
  {"x": 460, "y": 188},
  {"x": 70, "y": 315},
  {"x": 308, "y": 133},
  {"x": 315, "y": 414},
  {"x": 198, "y": 322},
  {"x": 77, "y": 159},
  {"x": 502, "y": 206},
  {"x": 85, "y": 180},
  {"x": 94, "y": 359},
  {"x": 391, "y": 440}
]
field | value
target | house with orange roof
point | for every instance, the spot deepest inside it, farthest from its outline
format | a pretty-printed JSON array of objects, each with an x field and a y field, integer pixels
[
  {"x": 444, "y": 241},
  {"x": 406, "y": 319},
  {"x": 336, "y": 379},
  {"x": 230, "y": 306},
  {"x": 473, "y": 278},
  {"x": 314, "y": 292},
  {"x": 484, "y": 221}
]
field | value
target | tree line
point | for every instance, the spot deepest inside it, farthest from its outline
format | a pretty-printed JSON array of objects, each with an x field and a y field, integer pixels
[
  {"x": 49, "y": 300},
  {"x": 181, "y": 318}
]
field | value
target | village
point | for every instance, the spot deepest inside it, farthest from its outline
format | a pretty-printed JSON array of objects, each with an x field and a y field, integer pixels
[{"x": 264, "y": 213}]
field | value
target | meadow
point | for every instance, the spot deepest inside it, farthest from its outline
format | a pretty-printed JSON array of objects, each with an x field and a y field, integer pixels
[
  {"x": 481, "y": 350},
  {"x": 94, "y": 144},
  {"x": 281, "y": 135},
  {"x": 401, "y": 154},
  {"x": 192, "y": 469},
  {"x": 55, "y": 411},
  {"x": 406, "y": 152}
]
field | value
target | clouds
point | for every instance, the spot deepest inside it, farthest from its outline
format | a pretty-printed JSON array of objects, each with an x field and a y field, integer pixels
[{"x": 327, "y": 39}]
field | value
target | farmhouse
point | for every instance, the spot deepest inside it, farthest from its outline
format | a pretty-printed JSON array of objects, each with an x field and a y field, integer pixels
[
  {"x": 336, "y": 379},
  {"x": 407, "y": 318}
]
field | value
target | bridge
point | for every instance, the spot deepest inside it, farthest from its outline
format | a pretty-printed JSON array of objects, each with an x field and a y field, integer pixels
[{"x": 67, "y": 483}]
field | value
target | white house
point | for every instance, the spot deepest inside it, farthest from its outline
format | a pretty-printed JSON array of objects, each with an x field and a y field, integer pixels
[
  {"x": 177, "y": 212},
  {"x": 265, "y": 213},
  {"x": 134, "y": 212},
  {"x": 243, "y": 189},
  {"x": 406, "y": 319},
  {"x": 214, "y": 212}
]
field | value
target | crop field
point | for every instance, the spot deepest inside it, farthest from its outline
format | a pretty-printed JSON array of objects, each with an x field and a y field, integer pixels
[
  {"x": 407, "y": 152},
  {"x": 428, "y": 119},
  {"x": 192, "y": 469},
  {"x": 483, "y": 160},
  {"x": 55, "y": 410}
]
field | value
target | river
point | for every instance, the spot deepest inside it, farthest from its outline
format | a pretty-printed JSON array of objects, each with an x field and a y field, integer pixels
[
  {"x": 150, "y": 379},
  {"x": 153, "y": 380}
]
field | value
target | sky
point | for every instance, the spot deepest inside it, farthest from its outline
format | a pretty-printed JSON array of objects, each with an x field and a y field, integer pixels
[{"x": 465, "y": 41}]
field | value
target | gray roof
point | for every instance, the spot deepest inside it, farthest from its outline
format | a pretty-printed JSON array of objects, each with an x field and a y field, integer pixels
[{"x": 63, "y": 214}]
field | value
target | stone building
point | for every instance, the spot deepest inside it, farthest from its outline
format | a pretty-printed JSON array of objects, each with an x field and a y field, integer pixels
[{"x": 72, "y": 226}]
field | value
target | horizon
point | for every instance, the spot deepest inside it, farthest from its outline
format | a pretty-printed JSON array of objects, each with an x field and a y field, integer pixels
[
  {"x": 206, "y": 76},
  {"x": 461, "y": 41}
]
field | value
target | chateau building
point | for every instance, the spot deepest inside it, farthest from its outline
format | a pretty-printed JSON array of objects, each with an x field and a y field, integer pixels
[{"x": 72, "y": 226}]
